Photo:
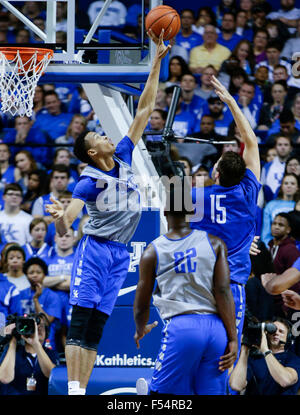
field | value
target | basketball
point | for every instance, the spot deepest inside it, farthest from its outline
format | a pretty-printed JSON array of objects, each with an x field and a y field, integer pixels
[{"x": 163, "y": 17}]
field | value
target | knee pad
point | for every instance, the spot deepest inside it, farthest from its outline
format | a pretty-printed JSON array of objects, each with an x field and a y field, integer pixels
[
  {"x": 86, "y": 327},
  {"x": 94, "y": 330}
]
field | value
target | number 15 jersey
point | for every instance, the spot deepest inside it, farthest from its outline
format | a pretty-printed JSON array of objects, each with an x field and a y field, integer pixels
[{"x": 230, "y": 214}]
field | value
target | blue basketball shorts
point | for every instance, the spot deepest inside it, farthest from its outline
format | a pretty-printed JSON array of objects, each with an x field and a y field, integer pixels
[
  {"x": 239, "y": 298},
  {"x": 188, "y": 359},
  {"x": 99, "y": 270}
]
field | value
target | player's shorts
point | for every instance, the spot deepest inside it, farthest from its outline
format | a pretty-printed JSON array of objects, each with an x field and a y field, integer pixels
[
  {"x": 99, "y": 270},
  {"x": 239, "y": 298},
  {"x": 188, "y": 360}
]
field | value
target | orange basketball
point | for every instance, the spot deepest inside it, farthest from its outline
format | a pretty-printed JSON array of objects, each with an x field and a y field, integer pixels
[{"x": 163, "y": 17}]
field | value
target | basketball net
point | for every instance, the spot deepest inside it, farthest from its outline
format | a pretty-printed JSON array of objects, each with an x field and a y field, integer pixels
[{"x": 20, "y": 71}]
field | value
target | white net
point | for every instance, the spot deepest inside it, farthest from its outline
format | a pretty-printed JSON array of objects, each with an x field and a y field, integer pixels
[{"x": 18, "y": 79}]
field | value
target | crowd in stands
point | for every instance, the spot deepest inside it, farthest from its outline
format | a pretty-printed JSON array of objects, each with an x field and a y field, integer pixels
[{"x": 249, "y": 46}]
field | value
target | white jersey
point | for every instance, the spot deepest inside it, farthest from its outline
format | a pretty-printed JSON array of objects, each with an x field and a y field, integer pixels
[{"x": 184, "y": 275}]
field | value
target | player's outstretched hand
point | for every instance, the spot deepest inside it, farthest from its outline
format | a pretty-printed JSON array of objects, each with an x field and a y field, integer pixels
[
  {"x": 254, "y": 247},
  {"x": 146, "y": 330},
  {"x": 220, "y": 90},
  {"x": 56, "y": 209},
  {"x": 291, "y": 299},
  {"x": 228, "y": 359},
  {"x": 162, "y": 49}
]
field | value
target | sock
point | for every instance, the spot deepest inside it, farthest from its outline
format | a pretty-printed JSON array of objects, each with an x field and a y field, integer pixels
[
  {"x": 81, "y": 391},
  {"x": 73, "y": 387}
]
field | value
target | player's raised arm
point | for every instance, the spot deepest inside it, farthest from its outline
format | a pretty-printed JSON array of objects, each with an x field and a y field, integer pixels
[
  {"x": 251, "y": 151},
  {"x": 64, "y": 219},
  {"x": 147, "y": 98}
]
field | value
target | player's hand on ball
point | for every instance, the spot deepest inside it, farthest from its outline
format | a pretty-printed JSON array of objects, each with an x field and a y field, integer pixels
[
  {"x": 56, "y": 209},
  {"x": 162, "y": 49},
  {"x": 143, "y": 332}
]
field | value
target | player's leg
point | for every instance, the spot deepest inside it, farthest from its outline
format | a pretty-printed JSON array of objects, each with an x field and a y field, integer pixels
[
  {"x": 89, "y": 345},
  {"x": 208, "y": 379},
  {"x": 181, "y": 350}
]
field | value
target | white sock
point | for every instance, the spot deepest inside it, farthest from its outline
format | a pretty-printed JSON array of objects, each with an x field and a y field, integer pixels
[
  {"x": 73, "y": 387},
  {"x": 81, "y": 391}
]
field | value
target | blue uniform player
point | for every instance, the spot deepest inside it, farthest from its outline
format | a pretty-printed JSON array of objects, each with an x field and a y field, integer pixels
[
  {"x": 228, "y": 208},
  {"x": 107, "y": 189},
  {"x": 193, "y": 296}
]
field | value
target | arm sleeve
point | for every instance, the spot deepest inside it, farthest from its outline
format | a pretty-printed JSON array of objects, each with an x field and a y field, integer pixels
[{"x": 85, "y": 188}]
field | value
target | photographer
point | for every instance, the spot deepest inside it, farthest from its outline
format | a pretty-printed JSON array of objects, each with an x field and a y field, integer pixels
[
  {"x": 26, "y": 364},
  {"x": 273, "y": 371}
]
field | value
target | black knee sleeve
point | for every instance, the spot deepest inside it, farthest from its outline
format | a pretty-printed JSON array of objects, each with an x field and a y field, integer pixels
[{"x": 86, "y": 327}]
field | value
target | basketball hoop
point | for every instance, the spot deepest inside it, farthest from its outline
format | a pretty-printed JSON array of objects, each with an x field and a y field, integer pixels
[{"x": 20, "y": 71}]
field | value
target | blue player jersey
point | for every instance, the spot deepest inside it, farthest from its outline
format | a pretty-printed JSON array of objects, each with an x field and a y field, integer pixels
[{"x": 230, "y": 213}]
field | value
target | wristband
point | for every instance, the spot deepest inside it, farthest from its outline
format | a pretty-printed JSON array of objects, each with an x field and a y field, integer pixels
[{"x": 267, "y": 352}]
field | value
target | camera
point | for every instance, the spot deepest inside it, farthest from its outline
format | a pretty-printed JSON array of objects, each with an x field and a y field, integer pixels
[{"x": 253, "y": 330}]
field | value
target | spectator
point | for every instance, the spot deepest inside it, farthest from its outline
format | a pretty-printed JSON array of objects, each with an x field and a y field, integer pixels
[
  {"x": 115, "y": 14},
  {"x": 259, "y": 303},
  {"x": 187, "y": 38},
  {"x": 61, "y": 17},
  {"x": 40, "y": 299},
  {"x": 228, "y": 36},
  {"x": 187, "y": 165},
  {"x": 25, "y": 164},
  {"x": 77, "y": 126},
  {"x": 246, "y": 6},
  {"x": 285, "y": 125},
  {"x": 25, "y": 133},
  {"x": 278, "y": 32},
  {"x": 243, "y": 29},
  {"x": 8, "y": 173},
  {"x": 23, "y": 36},
  {"x": 55, "y": 122},
  {"x": 296, "y": 108},
  {"x": 221, "y": 115},
  {"x": 156, "y": 123},
  {"x": 247, "y": 103},
  {"x": 273, "y": 172},
  {"x": 190, "y": 101},
  {"x": 60, "y": 262},
  {"x": 271, "y": 154},
  {"x": 10, "y": 301},
  {"x": 25, "y": 370},
  {"x": 287, "y": 197},
  {"x": 64, "y": 156},
  {"x": 58, "y": 183},
  {"x": 282, "y": 247},
  {"x": 41, "y": 24},
  {"x": 288, "y": 14},
  {"x": 14, "y": 260},
  {"x": 204, "y": 16},
  {"x": 35, "y": 189},
  {"x": 38, "y": 102},
  {"x": 292, "y": 45},
  {"x": 207, "y": 129},
  {"x": 37, "y": 247},
  {"x": 273, "y": 50},
  {"x": 210, "y": 53},
  {"x": 206, "y": 89},
  {"x": 260, "y": 41},
  {"x": 292, "y": 165},
  {"x": 244, "y": 52},
  {"x": 275, "y": 371},
  {"x": 224, "y": 6},
  {"x": 271, "y": 112},
  {"x": 177, "y": 68},
  {"x": 160, "y": 100},
  {"x": 185, "y": 123},
  {"x": 200, "y": 172},
  {"x": 32, "y": 10},
  {"x": 14, "y": 222}
]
